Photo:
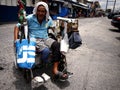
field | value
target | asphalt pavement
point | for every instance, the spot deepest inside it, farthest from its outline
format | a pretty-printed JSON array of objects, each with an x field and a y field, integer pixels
[{"x": 95, "y": 64}]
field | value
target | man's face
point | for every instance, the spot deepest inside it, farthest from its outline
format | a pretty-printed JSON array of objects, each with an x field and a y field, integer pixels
[{"x": 41, "y": 13}]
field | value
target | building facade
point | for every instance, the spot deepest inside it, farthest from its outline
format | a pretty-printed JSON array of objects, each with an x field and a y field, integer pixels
[{"x": 9, "y": 8}]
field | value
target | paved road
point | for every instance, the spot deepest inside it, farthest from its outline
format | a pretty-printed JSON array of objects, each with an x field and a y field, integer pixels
[{"x": 95, "y": 64}]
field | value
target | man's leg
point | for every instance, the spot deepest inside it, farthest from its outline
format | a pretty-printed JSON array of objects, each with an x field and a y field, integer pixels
[
  {"x": 45, "y": 54},
  {"x": 57, "y": 57}
]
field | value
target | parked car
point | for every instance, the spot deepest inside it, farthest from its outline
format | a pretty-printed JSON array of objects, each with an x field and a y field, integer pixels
[
  {"x": 112, "y": 14},
  {"x": 116, "y": 21}
]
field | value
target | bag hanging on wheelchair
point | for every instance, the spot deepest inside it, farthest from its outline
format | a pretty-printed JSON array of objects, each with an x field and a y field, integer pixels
[
  {"x": 75, "y": 40},
  {"x": 25, "y": 53},
  {"x": 64, "y": 45}
]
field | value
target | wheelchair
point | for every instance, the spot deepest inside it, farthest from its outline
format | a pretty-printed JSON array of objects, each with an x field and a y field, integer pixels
[{"x": 28, "y": 74}]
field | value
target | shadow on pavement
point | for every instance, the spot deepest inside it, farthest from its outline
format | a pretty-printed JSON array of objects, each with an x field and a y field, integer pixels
[
  {"x": 115, "y": 30},
  {"x": 1, "y": 68},
  {"x": 4, "y": 23},
  {"x": 118, "y": 38},
  {"x": 41, "y": 87},
  {"x": 21, "y": 84},
  {"x": 61, "y": 84}
]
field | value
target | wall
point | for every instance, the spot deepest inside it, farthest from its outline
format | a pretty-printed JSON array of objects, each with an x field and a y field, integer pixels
[
  {"x": 8, "y": 2},
  {"x": 9, "y": 10}
]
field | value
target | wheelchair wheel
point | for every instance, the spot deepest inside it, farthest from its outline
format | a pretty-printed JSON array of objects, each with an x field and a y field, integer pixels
[
  {"x": 27, "y": 75},
  {"x": 15, "y": 64},
  {"x": 15, "y": 60},
  {"x": 62, "y": 64}
]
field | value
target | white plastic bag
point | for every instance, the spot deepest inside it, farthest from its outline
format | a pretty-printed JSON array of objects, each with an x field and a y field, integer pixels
[{"x": 64, "y": 44}]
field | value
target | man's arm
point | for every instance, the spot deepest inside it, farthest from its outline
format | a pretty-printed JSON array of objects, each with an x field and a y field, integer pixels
[{"x": 16, "y": 30}]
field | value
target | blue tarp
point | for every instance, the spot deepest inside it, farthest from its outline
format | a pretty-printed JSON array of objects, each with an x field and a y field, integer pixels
[{"x": 64, "y": 12}]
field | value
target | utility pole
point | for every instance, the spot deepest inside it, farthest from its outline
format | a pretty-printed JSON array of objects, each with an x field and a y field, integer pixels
[
  {"x": 106, "y": 5},
  {"x": 113, "y": 5}
]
